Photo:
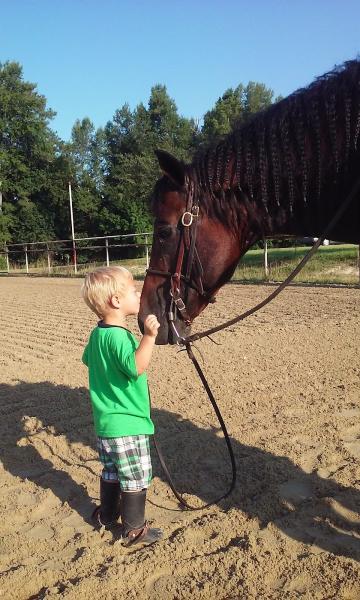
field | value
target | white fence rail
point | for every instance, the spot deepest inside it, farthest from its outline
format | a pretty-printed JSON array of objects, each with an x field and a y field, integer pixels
[{"x": 66, "y": 252}]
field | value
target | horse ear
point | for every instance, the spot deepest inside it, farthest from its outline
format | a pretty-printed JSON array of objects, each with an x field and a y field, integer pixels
[{"x": 171, "y": 167}]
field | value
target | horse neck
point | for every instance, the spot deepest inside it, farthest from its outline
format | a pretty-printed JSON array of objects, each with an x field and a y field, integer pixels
[
  {"x": 252, "y": 218},
  {"x": 261, "y": 220},
  {"x": 271, "y": 221},
  {"x": 227, "y": 201}
]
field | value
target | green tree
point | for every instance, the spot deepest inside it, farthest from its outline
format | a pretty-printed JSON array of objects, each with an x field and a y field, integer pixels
[
  {"x": 27, "y": 152},
  {"x": 87, "y": 150},
  {"x": 235, "y": 106},
  {"x": 32, "y": 224},
  {"x": 112, "y": 170},
  {"x": 5, "y": 225},
  {"x": 229, "y": 108},
  {"x": 170, "y": 131},
  {"x": 256, "y": 97},
  {"x": 85, "y": 154},
  {"x": 132, "y": 168}
]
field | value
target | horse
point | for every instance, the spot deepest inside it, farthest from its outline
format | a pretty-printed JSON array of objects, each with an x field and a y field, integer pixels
[{"x": 284, "y": 172}]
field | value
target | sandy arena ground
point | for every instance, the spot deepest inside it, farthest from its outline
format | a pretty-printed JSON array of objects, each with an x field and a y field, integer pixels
[{"x": 287, "y": 382}]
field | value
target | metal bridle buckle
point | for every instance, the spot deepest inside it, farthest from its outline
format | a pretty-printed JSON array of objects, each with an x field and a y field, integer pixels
[
  {"x": 185, "y": 215},
  {"x": 190, "y": 215},
  {"x": 175, "y": 299},
  {"x": 179, "y": 304},
  {"x": 195, "y": 211}
]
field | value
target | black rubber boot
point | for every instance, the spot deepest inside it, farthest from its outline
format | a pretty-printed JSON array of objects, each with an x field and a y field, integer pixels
[
  {"x": 135, "y": 528},
  {"x": 108, "y": 512}
]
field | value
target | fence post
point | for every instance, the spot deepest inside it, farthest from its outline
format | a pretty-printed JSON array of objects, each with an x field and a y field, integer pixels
[
  {"x": 266, "y": 266},
  {"x": 147, "y": 252},
  {"x": 7, "y": 258},
  {"x": 72, "y": 230},
  {"x": 26, "y": 260},
  {"x": 74, "y": 257},
  {"x": 48, "y": 259},
  {"x": 107, "y": 251}
]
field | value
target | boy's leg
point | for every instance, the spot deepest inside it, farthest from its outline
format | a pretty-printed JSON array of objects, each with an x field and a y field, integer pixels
[
  {"x": 108, "y": 513},
  {"x": 135, "y": 528},
  {"x": 135, "y": 474}
]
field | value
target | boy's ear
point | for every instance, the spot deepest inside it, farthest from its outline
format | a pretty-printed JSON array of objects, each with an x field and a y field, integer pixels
[{"x": 115, "y": 301}]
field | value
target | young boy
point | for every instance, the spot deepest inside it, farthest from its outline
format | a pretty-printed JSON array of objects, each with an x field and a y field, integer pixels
[{"x": 120, "y": 401}]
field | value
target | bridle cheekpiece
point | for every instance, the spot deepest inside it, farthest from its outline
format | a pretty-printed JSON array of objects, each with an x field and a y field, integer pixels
[{"x": 194, "y": 272}]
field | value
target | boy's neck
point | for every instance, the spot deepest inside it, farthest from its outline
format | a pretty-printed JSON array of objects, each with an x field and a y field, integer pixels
[{"x": 117, "y": 319}]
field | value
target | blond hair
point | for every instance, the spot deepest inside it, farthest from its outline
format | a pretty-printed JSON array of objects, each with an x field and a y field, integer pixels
[{"x": 103, "y": 283}]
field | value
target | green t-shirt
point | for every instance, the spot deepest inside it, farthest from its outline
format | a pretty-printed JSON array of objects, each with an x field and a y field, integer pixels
[{"x": 119, "y": 396}]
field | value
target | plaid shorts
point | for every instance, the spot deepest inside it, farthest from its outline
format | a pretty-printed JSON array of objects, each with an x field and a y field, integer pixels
[{"x": 127, "y": 460}]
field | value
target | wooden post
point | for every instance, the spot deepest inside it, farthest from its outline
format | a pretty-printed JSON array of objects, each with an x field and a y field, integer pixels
[
  {"x": 7, "y": 258},
  {"x": 107, "y": 251},
  {"x": 72, "y": 230},
  {"x": 266, "y": 266},
  {"x": 74, "y": 257},
  {"x": 48, "y": 259},
  {"x": 26, "y": 260},
  {"x": 147, "y": 252}
]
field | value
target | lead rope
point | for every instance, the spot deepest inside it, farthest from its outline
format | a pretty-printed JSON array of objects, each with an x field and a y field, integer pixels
[{"x": 211, "y": 397}]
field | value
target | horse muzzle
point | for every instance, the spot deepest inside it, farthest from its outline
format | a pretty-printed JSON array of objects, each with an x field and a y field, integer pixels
[{"x": 167, "y": 334}]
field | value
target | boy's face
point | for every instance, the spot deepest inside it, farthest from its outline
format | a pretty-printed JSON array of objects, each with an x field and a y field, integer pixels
[{"x": 130, "y": 302}]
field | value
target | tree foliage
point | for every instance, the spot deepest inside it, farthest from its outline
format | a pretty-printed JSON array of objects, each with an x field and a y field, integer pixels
[
  {"x": 112, "y": 170},
  {"x": 131, "y": 168},
  {"x": 235, "y": 106},
  {"x": 29, "y": 152}
]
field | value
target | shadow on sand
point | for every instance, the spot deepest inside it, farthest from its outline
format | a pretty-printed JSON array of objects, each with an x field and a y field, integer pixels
[{"x": 269, "y": 488}]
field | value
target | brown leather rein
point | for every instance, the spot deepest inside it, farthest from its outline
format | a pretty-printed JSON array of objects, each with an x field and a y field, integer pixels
[{"x": 189, "y": 219}]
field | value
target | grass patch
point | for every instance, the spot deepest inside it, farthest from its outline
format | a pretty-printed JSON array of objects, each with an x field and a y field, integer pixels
[{"x": 330, "y": 264}]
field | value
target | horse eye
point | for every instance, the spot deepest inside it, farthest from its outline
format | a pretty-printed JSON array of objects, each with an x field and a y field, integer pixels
[{"x": 164, "y": 233}]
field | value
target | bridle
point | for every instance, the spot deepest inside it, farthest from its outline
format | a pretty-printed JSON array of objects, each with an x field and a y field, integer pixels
[{"x": 194, "y": 272}]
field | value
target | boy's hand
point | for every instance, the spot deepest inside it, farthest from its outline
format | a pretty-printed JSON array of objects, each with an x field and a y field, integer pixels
[
  {"x": 151, "y": 326},
  {"x": 146, "y": 346}
]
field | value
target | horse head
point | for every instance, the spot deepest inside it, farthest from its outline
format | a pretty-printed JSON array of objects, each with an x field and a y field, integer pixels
[
  {"x": 284, "y": 172},
  {"x": 193, "y": 253}
]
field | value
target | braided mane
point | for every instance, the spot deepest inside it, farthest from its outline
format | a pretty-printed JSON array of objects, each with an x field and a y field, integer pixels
[{"x": 285, "y": 155}]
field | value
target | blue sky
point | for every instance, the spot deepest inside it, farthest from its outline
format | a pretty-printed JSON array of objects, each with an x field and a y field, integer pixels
[{"x": 90, "y": 57}]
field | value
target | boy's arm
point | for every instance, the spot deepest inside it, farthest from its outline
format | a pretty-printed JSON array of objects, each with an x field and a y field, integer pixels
[{"x": 146, "y": 346}]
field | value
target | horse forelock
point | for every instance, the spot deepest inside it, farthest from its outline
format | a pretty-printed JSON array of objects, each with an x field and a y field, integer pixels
[{"x": 162, "y": 186}]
